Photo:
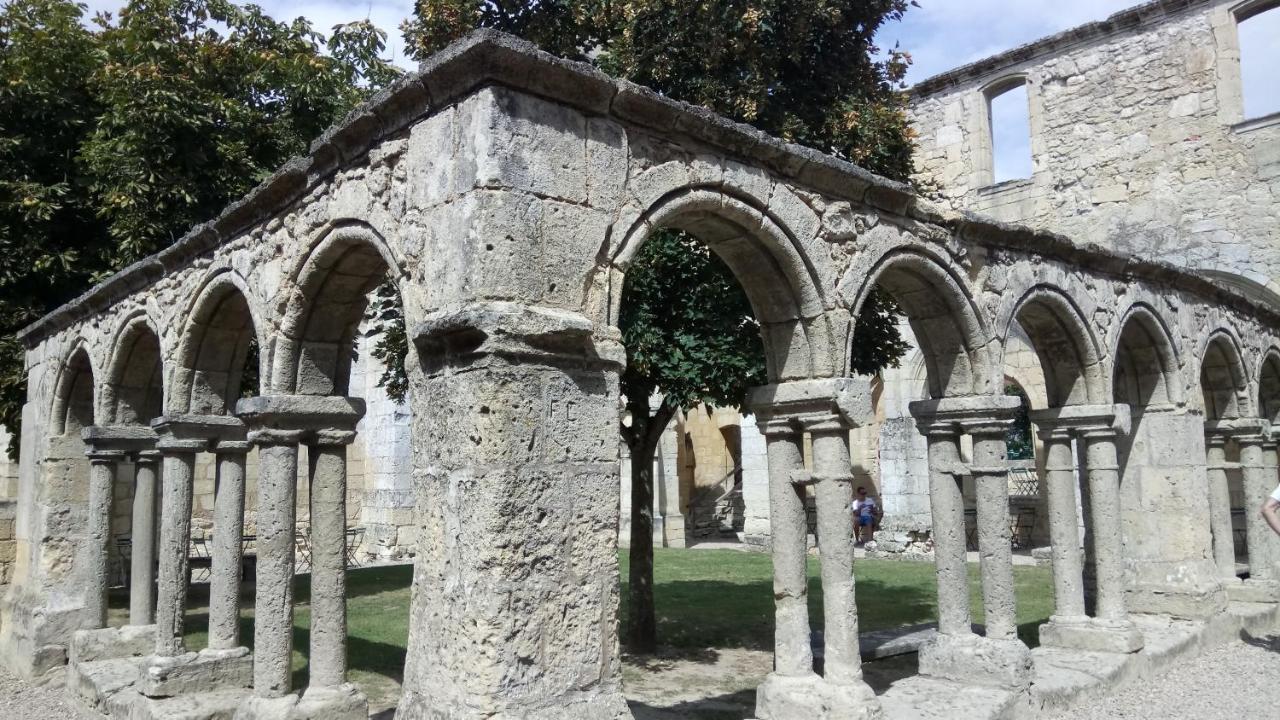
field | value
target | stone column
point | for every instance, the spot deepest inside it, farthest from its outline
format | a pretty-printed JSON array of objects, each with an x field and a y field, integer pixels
[
  {"x": 1224, "y": 554},
  {"x": 1271, "y": 476},
  {"x": 1064, "y": 533},
  {"x": 1262, "y": 585},
  {"x": 102, "y": 479},
  {"x": 514, "y": 612},
  {"x": 228, "y": 537},
  {"x": 792, "y": 651},
  {"x": 179, "y": 458},
  {"x": 1095, "y": 428},
  {"x": 949, "y": 538},
  {"x": 833, "y": 478},
  {"x": 329, "y": 696},
  {"x": 998, "y": 658},
  {"x": 277, "y": 424},
  {"x": 273, "y": 601},
  {"x": 142, "y": 557},
  {"x": 826, "y": 409},
  {"x": 1103, "y": 471},
  {"x": 990, "y": 472}
]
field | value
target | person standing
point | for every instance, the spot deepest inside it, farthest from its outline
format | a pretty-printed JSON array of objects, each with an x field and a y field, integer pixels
[{"x": 864, "y": 513}]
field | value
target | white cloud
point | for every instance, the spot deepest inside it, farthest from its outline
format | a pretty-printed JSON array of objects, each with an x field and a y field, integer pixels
[{"x": 943, "y": 34}]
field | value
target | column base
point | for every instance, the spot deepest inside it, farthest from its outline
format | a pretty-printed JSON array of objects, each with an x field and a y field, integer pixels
[
  {"x": 1257, "y": 591},
  {"x": 978, "y": 660},
  {"x": 604, "y": 703},
  {"x": 1196, "y": 593},
  {"x": 1091, "y": 634},
  {"x": 810, "y": 697},
  {"x": 260, "y": 708},
  {"x": 204, "y": 671},
  {"x": 344, "y": 702},
  {"x": 111, "y": 643}
]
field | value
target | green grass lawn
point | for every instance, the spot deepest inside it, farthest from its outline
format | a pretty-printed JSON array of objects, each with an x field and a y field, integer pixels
[{"x": 705, "y": 599}]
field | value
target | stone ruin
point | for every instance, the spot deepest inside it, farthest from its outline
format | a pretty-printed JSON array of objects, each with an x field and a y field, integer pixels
[{"x": 504, "y": 191}]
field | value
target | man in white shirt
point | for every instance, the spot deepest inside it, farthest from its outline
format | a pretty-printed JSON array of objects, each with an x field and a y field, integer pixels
[
  {"x": 864, "y": 516},
  {"x": 1271, "y": 510}
]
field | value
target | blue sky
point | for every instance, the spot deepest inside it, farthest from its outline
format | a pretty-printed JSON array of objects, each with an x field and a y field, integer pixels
[{"x": 940, "y": 34}]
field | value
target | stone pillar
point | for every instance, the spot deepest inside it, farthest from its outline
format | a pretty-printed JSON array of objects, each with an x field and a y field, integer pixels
[
  {"x": 515, "y": 604},
  {"x": 1064, "y": 535},
  {"x": 1103, "y": 472},
  {"x": 179, "y": 458},
  {"x": 102, "y": 479},
  {"x": 142, "y": 557},
  {"x": 1262, "y": 585},
  {"x": 227, "y": 551},
  {"x": 990, "y": 472},
  {"x": 671, "y": 525},
  {"x": 826, "y": 409},
  {"x": 329, "y": 696},
  {"x": 792, "y": 651},
  {"x": 998, "y": 658},
  {"x": 273, "y": 601},
  {"x": 1094, "y": 427},
  {"x": 1271, "y": 476},
  {"x": 833, "y": 478},
  {"x": 949, "y": 537},
  {"x": 1224, "y": 554}
]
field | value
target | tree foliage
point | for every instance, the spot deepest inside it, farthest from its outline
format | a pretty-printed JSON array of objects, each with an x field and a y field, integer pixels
[{"x": 115, "y": 138}]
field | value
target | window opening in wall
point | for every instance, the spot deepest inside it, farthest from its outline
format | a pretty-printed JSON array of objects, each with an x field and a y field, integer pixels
[
  {"x": 1010, "y": 117},
  {"x": 1259, "y": 59}
]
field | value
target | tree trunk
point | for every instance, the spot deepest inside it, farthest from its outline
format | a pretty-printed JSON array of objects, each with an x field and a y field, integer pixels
[{"x": 642, "y": 439}]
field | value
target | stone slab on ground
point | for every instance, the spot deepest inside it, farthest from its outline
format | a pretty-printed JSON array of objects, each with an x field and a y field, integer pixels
[
  {"x": 1060, "y": 676},
  {"x": 923, "y": 698}
]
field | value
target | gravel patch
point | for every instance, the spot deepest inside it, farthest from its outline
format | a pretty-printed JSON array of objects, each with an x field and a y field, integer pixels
[
  {"x": 1239, "y": 681},
  {"x": 23, "y": 701}
]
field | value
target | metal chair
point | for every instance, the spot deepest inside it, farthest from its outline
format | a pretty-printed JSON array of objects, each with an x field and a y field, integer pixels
[
  {"x": 354, "y": 537},
  {"x": 301, "y": 551},
  {"x": 199, "y": 562},
  {"x": 124, "y": 558}
]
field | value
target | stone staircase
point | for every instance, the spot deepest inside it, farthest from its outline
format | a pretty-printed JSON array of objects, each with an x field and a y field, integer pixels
[{"x": 718, "y": 512}]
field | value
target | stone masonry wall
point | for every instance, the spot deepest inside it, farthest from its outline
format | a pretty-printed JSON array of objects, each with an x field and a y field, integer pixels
[{"x": 1138, "y": 139}]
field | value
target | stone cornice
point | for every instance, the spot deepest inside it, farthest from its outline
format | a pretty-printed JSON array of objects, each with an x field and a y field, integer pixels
[
  {"x": 487, "y": 58},
  {"x": 992, "y": 67},
  {"x": 303, "y": 417}
]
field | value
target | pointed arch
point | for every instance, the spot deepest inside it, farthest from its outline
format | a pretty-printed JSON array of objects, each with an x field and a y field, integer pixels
[
  {"x": 944, "y": 319},
  {"x": 1067, "y": 349},
  {"x": 314, "y": 349},
  {"x": 214, "y": 346}
]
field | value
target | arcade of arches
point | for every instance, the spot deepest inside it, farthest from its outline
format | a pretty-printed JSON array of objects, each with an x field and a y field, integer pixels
[{"x": 503, "y": 192}]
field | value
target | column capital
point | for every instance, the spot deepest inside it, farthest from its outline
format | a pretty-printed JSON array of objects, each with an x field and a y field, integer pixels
[
  {"x": 104, "y": 456},
  {"x": 195, "y": 433},
  {"x": 847, "y": 399},
  {"x": 147, "y": 457},
  {"x": 980, "y": 414},
  {"x": 232, "y": 447},
  {"x": 1245, "y": 430},
  {"x": 289, "y": 419},
  {"x": 773, "y": 427},
  {"x": 122, "y": 438},
  {"x": 1083, "y": 418}
]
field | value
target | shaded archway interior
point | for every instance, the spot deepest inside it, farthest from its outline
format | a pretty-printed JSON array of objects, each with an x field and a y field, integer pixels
[
  {"x": 1065, "y": 356},
  {"x": 220, "y": 336},
  {"x": 1222, "y": 380},
  {"x": 136, "y": 387},
  {"x": 75, "y": 411},
  {"x": 335, "y": 288},
  {"x": 942, "y": 322},
  {"x": 1269, "y": 389},
  {"x": 1144, "y": 364}
]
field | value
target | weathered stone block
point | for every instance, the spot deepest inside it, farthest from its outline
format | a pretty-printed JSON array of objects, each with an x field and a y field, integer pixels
[{"x": 204, "y": 671}]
